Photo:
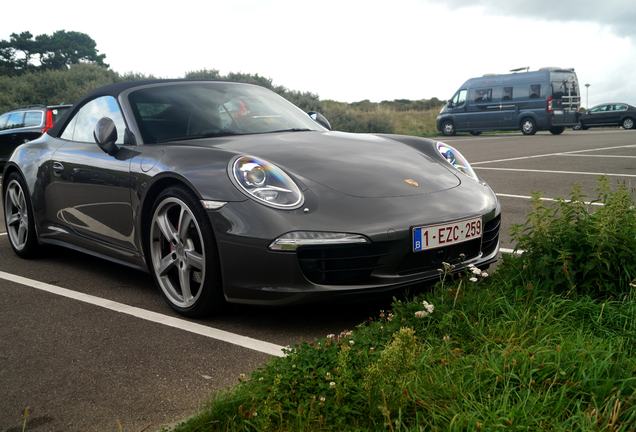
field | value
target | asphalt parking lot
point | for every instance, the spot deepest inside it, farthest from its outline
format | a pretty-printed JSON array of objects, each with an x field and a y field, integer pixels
[{"x": 90, "y": 345}]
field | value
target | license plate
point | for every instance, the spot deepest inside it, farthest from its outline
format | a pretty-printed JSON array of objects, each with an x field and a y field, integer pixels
[
  {"x": 558, "y": 112},
  {"x": 435, "y": 236}
]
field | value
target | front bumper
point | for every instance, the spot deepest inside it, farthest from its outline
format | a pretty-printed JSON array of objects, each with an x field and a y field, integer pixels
[{"x": 252, "y": 273}]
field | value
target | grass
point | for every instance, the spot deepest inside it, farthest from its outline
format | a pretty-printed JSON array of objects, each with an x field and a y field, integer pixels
[{"x": 522, "y": 349}]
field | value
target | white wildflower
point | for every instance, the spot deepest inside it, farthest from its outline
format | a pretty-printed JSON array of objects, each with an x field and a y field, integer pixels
[
  {"x": 328, "y": 376},
  {"x": 331, "y": 336},
  {"x": 332, "y": 384},
  {"x": 428, "y": 306},
  {"x": 322, "y": 398},
  {"x": 421, "y": 314},
  {"x": 484, "y": 274},
  {"x": 351, "y": 342},
  {"x": 473, "y": 279}
]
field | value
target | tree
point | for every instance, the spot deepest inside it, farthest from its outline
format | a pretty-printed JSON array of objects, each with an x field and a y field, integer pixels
[
  {"x": 62, "y": 49},
  {"x": 23, "y": 53}
]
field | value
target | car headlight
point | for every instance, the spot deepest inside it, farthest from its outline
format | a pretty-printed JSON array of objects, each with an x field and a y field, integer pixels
[
  {"x": 456, "y": 159},
  {"x": 266, "y": 183}
]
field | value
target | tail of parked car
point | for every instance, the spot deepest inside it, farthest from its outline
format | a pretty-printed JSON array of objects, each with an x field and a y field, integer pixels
[{"x": 26, "y": 124}]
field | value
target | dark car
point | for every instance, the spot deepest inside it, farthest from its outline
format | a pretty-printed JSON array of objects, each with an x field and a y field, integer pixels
[
  {"x": 228, "y": 192},
  {"x": 26, "y": 124},
  {"x": 608, "y": 114}
]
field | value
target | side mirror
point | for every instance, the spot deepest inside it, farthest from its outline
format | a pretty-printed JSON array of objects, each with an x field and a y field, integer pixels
[
  {"x": 320, "y": 119},
  {"x": 105, "y": 135}
]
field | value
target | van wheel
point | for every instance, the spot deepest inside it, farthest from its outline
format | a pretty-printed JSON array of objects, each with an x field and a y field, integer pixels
[
  {"x": 448, "y": 128},
  {"x": 628, "y": 123},
  {"x": 577, "y": 126},
  {"x": 557, "y": 130},
  {"x": 475, "y": 133},
  {"x": 528, "y": 127}
]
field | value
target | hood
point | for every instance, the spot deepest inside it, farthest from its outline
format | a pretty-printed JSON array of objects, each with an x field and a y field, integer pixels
[{"x": 359, "y": 165}]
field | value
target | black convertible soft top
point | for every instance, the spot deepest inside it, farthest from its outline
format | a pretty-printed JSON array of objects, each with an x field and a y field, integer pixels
[{"x": 109, "y": 90}]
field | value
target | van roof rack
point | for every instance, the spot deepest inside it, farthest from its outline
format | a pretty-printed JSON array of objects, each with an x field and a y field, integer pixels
[
  {"x": 556, "y": 69},
  {"x": 525, "y": 68}
]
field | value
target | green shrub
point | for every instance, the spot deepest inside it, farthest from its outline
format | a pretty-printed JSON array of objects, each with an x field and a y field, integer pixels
[
  {"x": 510, "y": 351},
  {"x": 570, "y": 249}
]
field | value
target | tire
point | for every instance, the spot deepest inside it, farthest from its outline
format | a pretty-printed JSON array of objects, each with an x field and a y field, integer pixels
[
  {"x": 448, "y": 128},
  {"x": 557, "y": 130},
  {"x": 18, "y": 217},
  {"x": 628, "y": 123},
  {"x": 528, "y": 126},
  {"x": 185, "y": 256},
  {"x": 475, "y": 133},
  {"x": 577, "y": 126}
]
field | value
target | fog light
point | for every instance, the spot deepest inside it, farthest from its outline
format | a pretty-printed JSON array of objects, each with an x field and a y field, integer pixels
[{"x": 293, "y": 240}]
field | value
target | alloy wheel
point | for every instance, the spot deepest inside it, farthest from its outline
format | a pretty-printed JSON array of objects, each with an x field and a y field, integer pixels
[
  {"x": 16, "y": 215},
  {"x": 178, "y": 252},
  {"x": 628, "y": 123}
]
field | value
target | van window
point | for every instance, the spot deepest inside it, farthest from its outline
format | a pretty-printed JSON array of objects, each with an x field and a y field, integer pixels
[
  {"x": 535, "y": 91},
  {"x": 483, "y": 95},
  {"x": 507, "y": 94},
  {"x": 460, "y": 98},
  {"x": 564, "y": 84}
]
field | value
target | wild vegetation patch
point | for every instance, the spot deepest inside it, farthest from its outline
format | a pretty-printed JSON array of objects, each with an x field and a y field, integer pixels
[{"x": 545, "y": 343}]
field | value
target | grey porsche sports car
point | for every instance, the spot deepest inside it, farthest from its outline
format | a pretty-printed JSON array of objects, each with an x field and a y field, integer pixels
[{"x": 227, "y": 192}]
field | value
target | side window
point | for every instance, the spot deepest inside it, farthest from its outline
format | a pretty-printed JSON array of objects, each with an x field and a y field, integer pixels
[
  {"x": 3, "y": 120},
  {"x": 82, "y": 125},
  {"x": 483, "y": 95},
  {"x": 535, "y": 91},
  {"x": 461, "y": 97},
  {"x": 620, "y": 107},
  {"x": 15, "y": 120},
  {"x": 33, "y": 119},
  {"x": 507, "y": 94}
]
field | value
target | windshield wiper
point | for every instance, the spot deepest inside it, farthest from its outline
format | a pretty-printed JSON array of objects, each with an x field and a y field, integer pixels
[
  {"x": 205, "y": 135},
  {"x": 290, "y": 130}
]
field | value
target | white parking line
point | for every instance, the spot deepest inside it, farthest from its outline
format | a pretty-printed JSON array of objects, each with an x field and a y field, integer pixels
[
  {"x": 556, "y": 172},
  {"x": 598, "y": 156},
  {"x": 517, "y": 135},
  {"x": 527, "y": 197},
  {"x": 553, "y": 154},
  {"x": 167, "y": 320},
  {"x": 3, "y": 234}
]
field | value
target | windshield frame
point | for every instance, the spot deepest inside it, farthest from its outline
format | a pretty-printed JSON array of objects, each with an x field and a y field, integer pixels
[{"x": 130, "y": 112}]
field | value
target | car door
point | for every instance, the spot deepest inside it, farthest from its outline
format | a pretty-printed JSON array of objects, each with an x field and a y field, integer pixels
[
  {"x": 89, "y": 196},
  {"x": 483, "y": 110},
  {"x": 458, "y": 109},
  {"x": 613, "y": 114},
  {"x": 598, "y": 115}
]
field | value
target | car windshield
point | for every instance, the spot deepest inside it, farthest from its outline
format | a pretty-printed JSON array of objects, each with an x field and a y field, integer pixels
[{"x": 183, "y": 111}]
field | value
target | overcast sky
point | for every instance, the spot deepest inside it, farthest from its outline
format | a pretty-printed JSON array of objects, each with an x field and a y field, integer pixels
[{"x": 351, "y": 50}]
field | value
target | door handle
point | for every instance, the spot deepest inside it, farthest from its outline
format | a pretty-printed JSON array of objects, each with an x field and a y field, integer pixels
[{"x": 58, "y": 168}]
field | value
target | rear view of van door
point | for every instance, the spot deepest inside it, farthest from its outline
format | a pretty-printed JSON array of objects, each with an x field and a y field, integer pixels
[{"x": 565, "y": 99}]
